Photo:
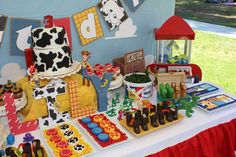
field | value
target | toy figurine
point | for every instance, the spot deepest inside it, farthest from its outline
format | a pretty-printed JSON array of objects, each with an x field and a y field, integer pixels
[
  {"x": 27, "y": 151},
  {"x": 113, "y": 102},
  {"x": 28, "y": 138},
  {"x": 10, "y": 151},
  {"x": 85, "y": 55},
  {"x": 117, "y": 97},
  {"x": 10, "y": 139},
  {"x": 33, "y": 73},
  {"x": 187, "y": 105},
  {"x": 111, "y": 112},
  {"x": 120, "y": 114},
  {"x": 37, "y": 149}
]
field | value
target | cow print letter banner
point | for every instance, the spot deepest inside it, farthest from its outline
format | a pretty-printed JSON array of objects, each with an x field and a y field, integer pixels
[
  {"x": 3, "y": 20},
  {"x": 113, "y": 12}
]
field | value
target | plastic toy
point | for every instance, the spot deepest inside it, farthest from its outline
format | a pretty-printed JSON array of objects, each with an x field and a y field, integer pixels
[
  {"x": 28, "y": 138},
  {"x": 27, "y": 150},
  {"x": 85, "y": 65},
  {"x": 111, "y": 112},
  {"x": 33, "y": 73},
  {"x": 117, "y": 97},
  {"x": 10, "y": 139},
  {"x": 101, "y": 86},
  {"x": 11, "y": 151},
  {"x": 113, "y": 102},
  {"x": 38, "y": 150},
  {"x": 166, "y": 44}
]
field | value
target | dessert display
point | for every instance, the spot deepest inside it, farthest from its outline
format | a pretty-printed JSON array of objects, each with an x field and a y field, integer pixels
[
  {"x": 150, "y": 119},
  {"x": 51, "y": 52},
  {"x": 104, "y": 132},
  {"x": 8, "y": 86},
  {"x": 20, "y": 98},
  {"x": 100, "y": 70},
  {"x": 66, "y": 141}
]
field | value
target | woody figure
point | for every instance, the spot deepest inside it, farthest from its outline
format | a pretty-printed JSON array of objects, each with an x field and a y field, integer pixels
[
  {"x": 85, "y": 65},
  {"x": 33, "y": 73}
]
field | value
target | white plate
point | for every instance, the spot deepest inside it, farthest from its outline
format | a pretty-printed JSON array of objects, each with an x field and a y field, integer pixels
[
  {"x": 71, "y": 122},
  {"x": 70, "y": 71}
]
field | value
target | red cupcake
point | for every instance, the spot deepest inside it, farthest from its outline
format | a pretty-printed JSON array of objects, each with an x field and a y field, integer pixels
[{"x": 108, "y": 66}]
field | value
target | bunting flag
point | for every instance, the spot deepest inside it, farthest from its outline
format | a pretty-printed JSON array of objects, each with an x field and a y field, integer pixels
[
  {"x": 21, "y": 34},
  {"x": 88, "y": 25},
  {"x": 65, "y": 22},
  {"x": 3, "y": 21}
]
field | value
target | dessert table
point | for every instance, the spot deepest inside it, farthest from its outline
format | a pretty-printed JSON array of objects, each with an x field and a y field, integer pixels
[{"x": 160, "y": 139}]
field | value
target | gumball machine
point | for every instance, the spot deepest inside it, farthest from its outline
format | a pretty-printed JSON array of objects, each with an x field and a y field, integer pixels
[{"x": 175, "y": 30}]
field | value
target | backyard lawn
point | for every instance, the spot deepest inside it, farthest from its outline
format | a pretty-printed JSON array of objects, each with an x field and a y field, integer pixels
[
  {"x": 216, "y": 55},
  {"x": 206, "y": 12}
]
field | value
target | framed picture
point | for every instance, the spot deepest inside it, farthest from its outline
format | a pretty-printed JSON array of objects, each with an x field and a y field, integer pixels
[
  {"x": 3, "y": 21},
  {"x": 21, "y": 34},
  {"x": 113, "y": 12},
  {"x": 202, "y": 89},
  {"x": 216, "y": 102}
]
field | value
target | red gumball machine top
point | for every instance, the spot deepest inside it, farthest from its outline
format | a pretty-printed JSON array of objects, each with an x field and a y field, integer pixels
[{"x": 174, "y": 41}]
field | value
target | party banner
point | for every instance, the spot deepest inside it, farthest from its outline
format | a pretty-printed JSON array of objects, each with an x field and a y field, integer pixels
[
  {"x": 88, "y": 25},
  {"x": 21, "y": 34},
  {"x": 113, "y": 12},
  {"x": 133, "y": 5},
  {"x": 3, "y": 21},
  {"x": 65, "y": 22}
]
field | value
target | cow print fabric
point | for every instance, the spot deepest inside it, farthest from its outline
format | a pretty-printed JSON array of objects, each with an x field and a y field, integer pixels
[
  {"x": 47, "y": 38},
  {"x": 51, "y": 52}
]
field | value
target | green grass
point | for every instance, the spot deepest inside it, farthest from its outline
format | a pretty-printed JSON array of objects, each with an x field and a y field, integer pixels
[
  {"x": 211, "y": 13},
  {"x": 216, "y": 55}
]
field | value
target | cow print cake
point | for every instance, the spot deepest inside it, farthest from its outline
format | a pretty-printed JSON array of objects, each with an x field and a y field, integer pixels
[
  {"x": 51, "y": 52},
  {"x": 49, "y": 38}
]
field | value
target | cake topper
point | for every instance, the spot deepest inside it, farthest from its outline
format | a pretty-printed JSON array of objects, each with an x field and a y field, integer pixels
[
  {"x": 48, "y": 21},
  {"x": 85, "y": 66},
  {"x": 33, "y": 73}
]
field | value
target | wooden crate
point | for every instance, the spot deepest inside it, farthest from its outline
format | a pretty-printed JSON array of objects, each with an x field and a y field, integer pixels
[
  {"x": 131, "y": 62},
  {"x": 164, "y": 78}
]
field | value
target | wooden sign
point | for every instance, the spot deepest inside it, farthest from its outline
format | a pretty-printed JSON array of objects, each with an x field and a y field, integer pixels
[{"x": 134, "y": 61}]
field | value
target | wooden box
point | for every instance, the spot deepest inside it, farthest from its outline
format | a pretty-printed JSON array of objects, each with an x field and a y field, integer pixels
[{"x": 131, "y": 62}]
